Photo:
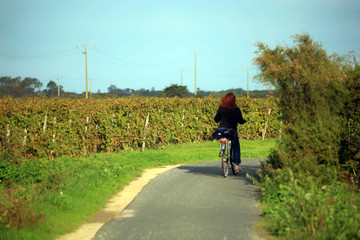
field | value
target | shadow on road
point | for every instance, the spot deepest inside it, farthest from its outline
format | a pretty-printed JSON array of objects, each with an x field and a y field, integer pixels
[
  {"x": 202, "y": 170},
  {"x": 216, "y": 171},
  {"x": 213, "y": 170}
]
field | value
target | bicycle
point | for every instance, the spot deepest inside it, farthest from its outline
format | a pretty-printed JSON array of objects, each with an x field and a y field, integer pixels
[{"x": 225, "y": 154}]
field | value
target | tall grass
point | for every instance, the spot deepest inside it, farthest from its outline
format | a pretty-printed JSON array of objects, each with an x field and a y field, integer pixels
[{"x": 58, "y": 195}]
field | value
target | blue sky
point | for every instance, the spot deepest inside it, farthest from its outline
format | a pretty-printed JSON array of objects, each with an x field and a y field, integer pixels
[{"x": 145, "y": 44}]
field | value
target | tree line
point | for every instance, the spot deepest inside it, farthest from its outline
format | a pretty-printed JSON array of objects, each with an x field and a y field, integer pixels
[
  {"x": 27, "y": 87},
  {"x": 31, "y": 87}
]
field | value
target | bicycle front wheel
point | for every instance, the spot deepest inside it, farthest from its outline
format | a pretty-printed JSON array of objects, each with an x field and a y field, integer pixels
[{"x": 225, "y": 163}]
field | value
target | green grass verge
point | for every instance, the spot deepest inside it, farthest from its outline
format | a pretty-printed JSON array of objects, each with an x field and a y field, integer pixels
[{"x": 69, "y": 191}]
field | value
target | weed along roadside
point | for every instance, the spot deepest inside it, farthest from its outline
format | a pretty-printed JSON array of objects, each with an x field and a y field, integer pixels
[{"x": 70, "y": 192}]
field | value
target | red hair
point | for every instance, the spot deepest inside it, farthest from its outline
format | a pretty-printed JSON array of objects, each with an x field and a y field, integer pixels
[{"x": 228, "y": 101}]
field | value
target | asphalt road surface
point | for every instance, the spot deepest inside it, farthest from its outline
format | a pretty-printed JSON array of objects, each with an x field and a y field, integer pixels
[{"x": 191, "y": 202}]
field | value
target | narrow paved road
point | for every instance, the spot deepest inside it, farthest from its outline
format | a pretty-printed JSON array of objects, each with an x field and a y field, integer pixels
[{"x": 191, "y": 202}]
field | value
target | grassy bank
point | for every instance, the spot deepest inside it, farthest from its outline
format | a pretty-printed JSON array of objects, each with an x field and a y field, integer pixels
[{"x": 42, "y": 199}]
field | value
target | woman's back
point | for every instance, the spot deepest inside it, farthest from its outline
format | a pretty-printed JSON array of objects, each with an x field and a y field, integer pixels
[{"x": 229, "y": 117}]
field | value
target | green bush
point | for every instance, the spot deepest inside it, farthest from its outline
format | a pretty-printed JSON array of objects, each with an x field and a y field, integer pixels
[
  {"x": 311, "y": 97},
  {"x": 305, "y": 191},
  {"x": 350, "y": 137}
]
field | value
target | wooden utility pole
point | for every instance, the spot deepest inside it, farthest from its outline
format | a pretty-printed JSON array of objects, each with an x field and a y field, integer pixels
[
  {"x": 195, "y": 55},
  {"x": 58, "y": 85},
  {"x": 86, "y": 75},
  {"x": 181, "y": 77},
  {"x": 86, "y": 45},
  {"x": 247, "y": 77},
  {"x": 195, "y": 74}
]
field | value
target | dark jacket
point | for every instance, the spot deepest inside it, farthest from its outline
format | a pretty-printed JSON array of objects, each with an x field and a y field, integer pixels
[{"x": 229, "y": 117}]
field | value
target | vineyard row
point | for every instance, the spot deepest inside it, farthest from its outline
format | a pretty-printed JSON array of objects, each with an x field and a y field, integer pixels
[{"x": 72, "y": 127}]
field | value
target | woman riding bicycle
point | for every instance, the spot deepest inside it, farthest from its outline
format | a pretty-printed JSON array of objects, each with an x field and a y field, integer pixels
[{"x": 229, "y": 115}]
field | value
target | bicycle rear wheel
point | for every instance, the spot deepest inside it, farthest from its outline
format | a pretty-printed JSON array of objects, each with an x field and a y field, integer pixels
[{"x": 225, "y": 163}]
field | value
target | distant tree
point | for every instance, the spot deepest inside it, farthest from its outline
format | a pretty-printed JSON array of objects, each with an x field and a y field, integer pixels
[
  {"x": 112, "y": 89},
  {"x": 199, "y": 95},
  {"x": 52, "y": 89},
  {"x": 51, "y": 85},
  {"x": 8, "y": 86},
  {"x": 175, "y": 90},
  {"x": 180, "y": 91},
  {"x": 15, "y": 87},
  {"x": 29, "y": 86},
  {"x": 128, "y": 91}
]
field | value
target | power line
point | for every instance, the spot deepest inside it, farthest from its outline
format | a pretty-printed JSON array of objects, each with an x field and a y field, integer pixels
[
  {"x": 144, "y": 65},
  {"x": 154, "y": 78},
  {"x": 213, "y": 64},
  {"x": 215, "y": 74},
  {"x": 43, "y": 53},
  {"x": 148, "y": 78},
  {"x": 107, "y": 60},
  {"x": 110, "y": 58},
  {"x": 7, "y": 56}
]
